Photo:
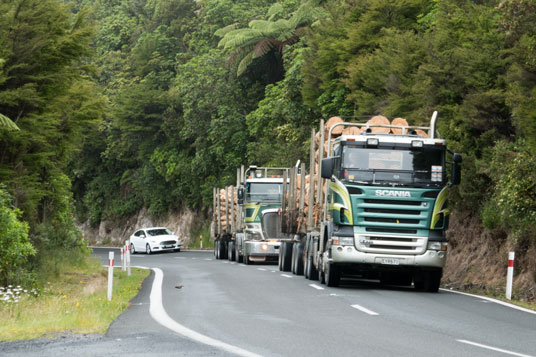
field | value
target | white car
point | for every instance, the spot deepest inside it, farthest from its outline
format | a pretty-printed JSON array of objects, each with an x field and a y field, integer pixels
[{"x": 154, "y": 239}]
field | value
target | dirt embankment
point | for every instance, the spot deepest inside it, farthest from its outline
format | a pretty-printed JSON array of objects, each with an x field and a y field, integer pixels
[
  {"x": 478, "y": 259},
  {"x": 114, "y": 233}
]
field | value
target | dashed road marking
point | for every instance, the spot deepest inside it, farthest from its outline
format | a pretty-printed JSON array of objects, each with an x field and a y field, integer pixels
[
  {"x": 493, "y": 348},
  {"x": 316, "y": 287},
  {"x": 365, "y": 310},
  {"x": 286, "y": 276},
  {"x": 261, "y": 269},
  {"x": 208, "y": 259}
]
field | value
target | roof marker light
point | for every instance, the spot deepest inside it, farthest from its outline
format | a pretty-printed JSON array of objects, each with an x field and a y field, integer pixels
[
  {"x": 372, "y": 142},
  {"x": 417, "y": 144}
]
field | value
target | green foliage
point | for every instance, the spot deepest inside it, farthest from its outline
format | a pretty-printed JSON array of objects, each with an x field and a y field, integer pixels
[
  {"x": 512, "y": 205},
  {"x": 262, "y": 37},
  {"x": 16, "y": 247}
]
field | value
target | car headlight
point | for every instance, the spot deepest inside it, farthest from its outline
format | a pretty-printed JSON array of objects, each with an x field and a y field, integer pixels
[
  {"x": 437, "y": 246},
  {"x": 342, "y": 240},
  {"x": 153, "y": 241}
]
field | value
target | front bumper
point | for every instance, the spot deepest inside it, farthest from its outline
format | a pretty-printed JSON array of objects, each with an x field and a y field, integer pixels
[
  {"x": 350, "y": 255},
  {"x": 162, "y": 248},
  {"x": 262, "y": 248}
]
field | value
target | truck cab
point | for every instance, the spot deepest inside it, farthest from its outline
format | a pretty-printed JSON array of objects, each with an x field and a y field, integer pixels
[
  {"x": 262, "y": 191},
  {"x": 386, "y": 209}
]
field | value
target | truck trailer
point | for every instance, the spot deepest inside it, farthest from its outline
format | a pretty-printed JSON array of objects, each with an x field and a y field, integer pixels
[{"x": 375, "y": 207}]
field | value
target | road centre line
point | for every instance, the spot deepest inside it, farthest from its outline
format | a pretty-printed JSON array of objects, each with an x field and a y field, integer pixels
[
  {"x": 364, "y": 309},
  {"x": 286, "y": 276},
  {"x": 261, "y": 269},
  {"x": 494, "y": 348},
  {"x": 492, "y": 300},
  {"x": 160, "y": 315},
  {"x": 208, "y": 259},
  {"x": 316, "y": 287}
]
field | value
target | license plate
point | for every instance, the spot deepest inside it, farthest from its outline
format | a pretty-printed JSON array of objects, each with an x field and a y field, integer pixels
[
  {"x": 168, "y": 246},
  {"x": 389, "y": 261}
]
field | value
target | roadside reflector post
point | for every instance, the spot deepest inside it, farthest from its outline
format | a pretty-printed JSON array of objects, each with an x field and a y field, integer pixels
[
  {"x": 201, "y": 240},
  {"x": 123, "y": 257},
  {"x": 128, "y": 256},
  {"x": 110, "y": 274},
  {"x": 510, "y": 275}
]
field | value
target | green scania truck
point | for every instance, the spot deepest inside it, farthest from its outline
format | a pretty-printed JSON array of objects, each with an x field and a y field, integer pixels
[{"x": 379, "y": 210}]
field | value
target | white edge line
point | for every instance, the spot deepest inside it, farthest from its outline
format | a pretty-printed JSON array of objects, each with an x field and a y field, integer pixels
[
  {"x": 316, "y": 287},
  {"x": 492, "y": 300},
  {"x": 160, "y": 315},
  {"x": 493, "y": 348},
  {"x": 365, "y": 310},
  {"x": 286, "y": 276}
]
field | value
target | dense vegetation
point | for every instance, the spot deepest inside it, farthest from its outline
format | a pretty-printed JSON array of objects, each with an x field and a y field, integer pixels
[{"x": 127, "y": 104}]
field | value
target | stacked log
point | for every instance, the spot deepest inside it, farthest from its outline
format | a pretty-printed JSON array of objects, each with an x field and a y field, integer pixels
[{"x": 228, "y": 204}]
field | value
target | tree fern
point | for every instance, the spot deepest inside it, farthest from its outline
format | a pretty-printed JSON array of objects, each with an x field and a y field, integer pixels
[
  {"x": 263, "y": 36},
  {"x": 6, "y": 123}
]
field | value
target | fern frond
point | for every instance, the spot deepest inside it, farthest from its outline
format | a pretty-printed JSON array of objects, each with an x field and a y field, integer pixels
[
  {"x": 274, "y": 10},
  {"x": 264, "y": 46},
  {"x": 6, "y": 123},
  {"x": 224, "y": 30},
  {"x": 243, "y": 65}
]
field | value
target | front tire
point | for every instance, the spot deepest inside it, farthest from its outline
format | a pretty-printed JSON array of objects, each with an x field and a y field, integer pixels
[
  {"x": 148, "y": 250},
  {"x": 428, "y": 281},
  {"x": 132, "y": 249},
  {"x": 333, "y": 275}
]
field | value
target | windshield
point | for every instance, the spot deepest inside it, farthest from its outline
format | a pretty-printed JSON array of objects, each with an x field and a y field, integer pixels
[
  {"x": 159, "y": 232},
  {"x": 401, "y": 166},
  {"x": 264, "y": 192}
]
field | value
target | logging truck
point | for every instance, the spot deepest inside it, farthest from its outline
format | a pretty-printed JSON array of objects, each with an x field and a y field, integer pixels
[
  {"x": 373, "y": 206},
  {"x": 238, "y": 211}
]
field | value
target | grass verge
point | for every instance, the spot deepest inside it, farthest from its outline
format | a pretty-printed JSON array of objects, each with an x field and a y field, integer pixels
[{"x": 74, "y": 302}]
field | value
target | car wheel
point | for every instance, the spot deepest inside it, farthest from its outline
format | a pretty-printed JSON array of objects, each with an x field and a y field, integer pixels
[
  {"x": 132, "y": 250},
  {"x": 148, "y": 249}
]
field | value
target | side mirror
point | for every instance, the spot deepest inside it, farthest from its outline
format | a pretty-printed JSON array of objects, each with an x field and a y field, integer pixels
[
  {"x": 240, "y": 196},
  {"x": 327, "y": 167},
  {"x": 456, "y": 173}
]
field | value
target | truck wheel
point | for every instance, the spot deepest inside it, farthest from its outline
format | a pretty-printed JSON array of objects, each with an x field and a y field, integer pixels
[
  {"x": 246, "y": 260},
  {"x": 216, "y": 249},
  {"x": 281, "y": 253},
  {"x": 428, "y": 281},
  {"x": 230, "y": 252},
  {"x": 312, "y": 273},
  {"x": 286, "y": 256},
  {"x": 299, "y": 259},
  {"x": 333, "y": 275},
  {"x": 222, "y": 251},
  {"x": 293, "y": 260},
  {"x": 237, "y": 255}
]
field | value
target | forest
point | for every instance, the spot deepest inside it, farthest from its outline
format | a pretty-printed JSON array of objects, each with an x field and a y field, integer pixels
[{"x": 111, "y": 106}]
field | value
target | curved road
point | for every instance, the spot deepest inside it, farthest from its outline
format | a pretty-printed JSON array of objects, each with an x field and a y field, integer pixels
[{"x": 257, "y": 310}]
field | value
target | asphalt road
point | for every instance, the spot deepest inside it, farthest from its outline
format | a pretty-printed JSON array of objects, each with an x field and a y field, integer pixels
[{"x": 224, "y": 308}]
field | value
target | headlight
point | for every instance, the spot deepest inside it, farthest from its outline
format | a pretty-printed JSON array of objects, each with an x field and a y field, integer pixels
[
  {"x": 264, "y": 246},
  {"x": 342, "y": 240},
  {"x": 153, "y": 241},
  {"x": 437, "y": 246}
]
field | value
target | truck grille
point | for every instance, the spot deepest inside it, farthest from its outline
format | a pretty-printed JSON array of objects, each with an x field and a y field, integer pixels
[{"x": 391, "y": 225}]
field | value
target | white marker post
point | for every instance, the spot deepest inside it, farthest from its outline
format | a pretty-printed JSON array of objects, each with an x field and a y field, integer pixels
[
  {"x": 122, "y": 259},
  {"x": 128, "y": 256},
  {"x": 201, "y": 240},
  {"x": 110, "y": 274},
  {"x": 510, "y": 275}
]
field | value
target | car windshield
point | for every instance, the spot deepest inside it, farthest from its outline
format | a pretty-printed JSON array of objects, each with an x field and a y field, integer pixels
[
  {"x": 398, "y": 166},
  {"x": 159, "y": 232},
  {"x": 264, "y": 192}
]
